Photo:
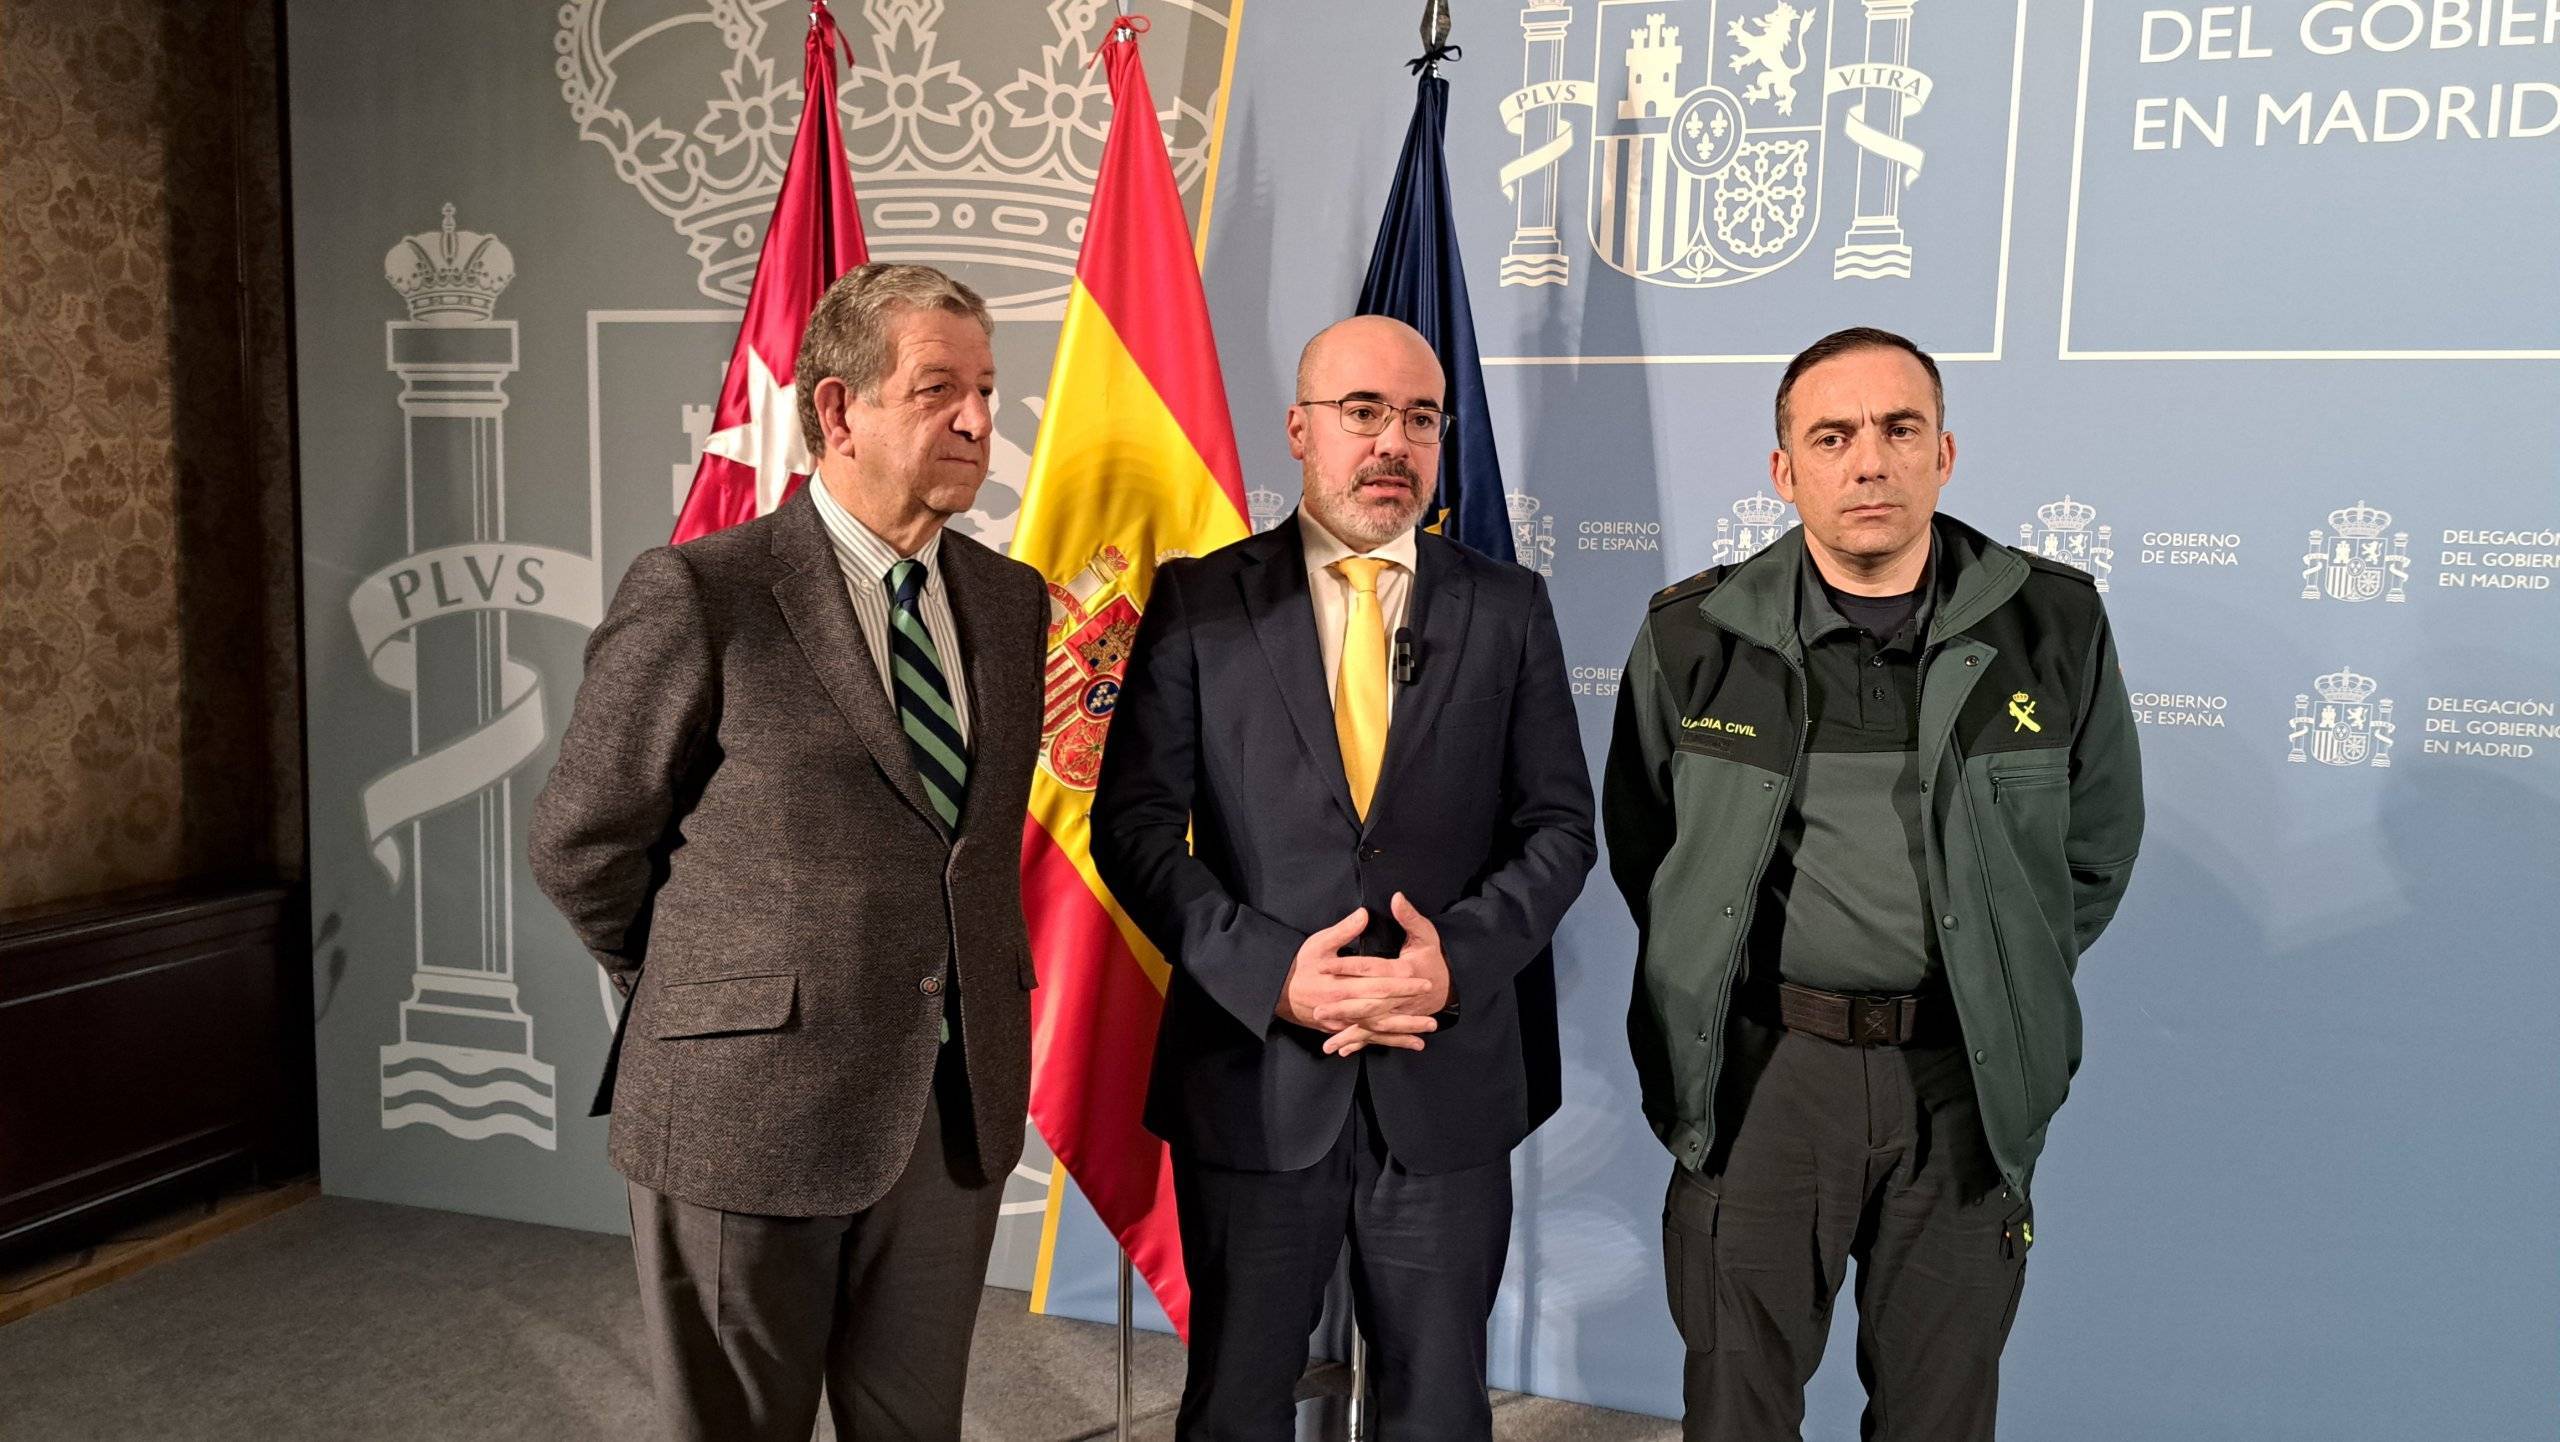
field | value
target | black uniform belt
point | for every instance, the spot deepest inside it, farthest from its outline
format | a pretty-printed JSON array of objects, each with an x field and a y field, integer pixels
[{"x": 1856, "y": 1020}]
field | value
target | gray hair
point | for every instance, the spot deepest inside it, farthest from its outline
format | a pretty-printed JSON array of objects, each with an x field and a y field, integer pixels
[{"x": 848, "y": 334}]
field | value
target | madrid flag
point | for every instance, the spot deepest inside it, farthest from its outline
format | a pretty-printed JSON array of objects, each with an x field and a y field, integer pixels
[
  {"x": 1136, "y": 461},
  {"x": 755, "y": 457}
]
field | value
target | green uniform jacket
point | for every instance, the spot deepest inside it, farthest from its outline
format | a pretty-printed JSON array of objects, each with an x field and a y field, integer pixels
[{"x": 2030, "y": 776}]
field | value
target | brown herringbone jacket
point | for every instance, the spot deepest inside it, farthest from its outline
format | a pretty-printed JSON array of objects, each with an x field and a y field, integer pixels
[{"x": 736, "y": 832}]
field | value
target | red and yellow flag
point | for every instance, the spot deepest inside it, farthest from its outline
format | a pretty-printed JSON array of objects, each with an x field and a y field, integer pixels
[{"x": 1136, "y": 462}]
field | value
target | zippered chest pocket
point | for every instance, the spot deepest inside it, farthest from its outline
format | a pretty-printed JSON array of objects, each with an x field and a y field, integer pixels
[
  {"x": 2026, "y": 776},
  {"x": 2031, "y": 798}
]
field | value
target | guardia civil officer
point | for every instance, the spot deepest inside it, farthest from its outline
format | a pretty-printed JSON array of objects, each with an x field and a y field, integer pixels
[{"x": 1871, "y": 794}]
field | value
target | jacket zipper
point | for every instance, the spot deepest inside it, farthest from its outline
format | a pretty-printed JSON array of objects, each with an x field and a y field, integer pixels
[
  {"x": 2000, "y": 944},
  {"x": 1751, "y": 896},
  {"x": 1991, "y": 911}
]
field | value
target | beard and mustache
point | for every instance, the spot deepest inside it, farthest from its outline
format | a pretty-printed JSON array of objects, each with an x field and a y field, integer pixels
[{"x": 1364, "y": 517}]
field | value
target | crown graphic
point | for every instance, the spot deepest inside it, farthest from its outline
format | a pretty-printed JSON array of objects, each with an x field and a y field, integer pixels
[
  {"x": 2345, "y": 687},
  {"x": 1760, "y": 510},
  {"x": 2360, "y": 522},
  {"x": 1521, "y": 504},
  {"x": 1264, "y": 507},
  {"x": 2066, "y": 515},
  {"x": 449, "y": 276},
  {"x": 984, "y": 167}
]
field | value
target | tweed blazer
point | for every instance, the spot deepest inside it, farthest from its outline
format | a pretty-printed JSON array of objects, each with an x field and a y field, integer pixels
[{"x": 736, "y": 832}]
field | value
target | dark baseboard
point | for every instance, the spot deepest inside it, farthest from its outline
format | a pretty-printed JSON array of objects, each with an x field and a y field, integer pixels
[{"x": 153, "y": 1046}]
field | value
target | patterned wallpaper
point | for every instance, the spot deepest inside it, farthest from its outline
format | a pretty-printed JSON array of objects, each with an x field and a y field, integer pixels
[{"x": 149, "y": 664}]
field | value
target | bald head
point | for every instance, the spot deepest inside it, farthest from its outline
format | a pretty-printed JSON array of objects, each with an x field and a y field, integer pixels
[
  {"x": 1362, "y": 338},
  {"x": 1366, "y": 489}
]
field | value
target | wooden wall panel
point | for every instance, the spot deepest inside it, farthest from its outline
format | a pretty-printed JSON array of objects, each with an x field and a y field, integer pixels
[{"x": 145, "y": 1042}]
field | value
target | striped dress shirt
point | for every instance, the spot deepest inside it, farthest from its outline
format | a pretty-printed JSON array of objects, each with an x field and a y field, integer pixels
[{"x": 865, "y": 560}]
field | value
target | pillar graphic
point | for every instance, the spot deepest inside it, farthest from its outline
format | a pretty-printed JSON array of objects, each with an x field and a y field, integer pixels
[
  {"x": 435, "y": 625},
  {"x": 1875, "y": 247},
  {"x": 1536, "y": 255}
]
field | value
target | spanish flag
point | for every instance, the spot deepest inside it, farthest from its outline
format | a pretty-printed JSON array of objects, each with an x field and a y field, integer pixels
[{"x": 1136, "y": 462}]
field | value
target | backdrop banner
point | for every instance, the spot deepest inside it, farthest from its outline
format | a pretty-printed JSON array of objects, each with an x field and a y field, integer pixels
[{"x": 524, "y": 238}]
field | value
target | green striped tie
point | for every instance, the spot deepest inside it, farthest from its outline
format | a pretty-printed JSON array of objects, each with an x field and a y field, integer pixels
[
  {"x": 924, "y": 709},
  {"x": 923, "y": 696}
]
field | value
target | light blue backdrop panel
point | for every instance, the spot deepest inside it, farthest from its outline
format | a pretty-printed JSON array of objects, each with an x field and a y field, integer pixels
[
  {"x": 602, "y": 169},
  {"x": 2300, "y": 1188},
  {"x": 2321, "y": 177}
]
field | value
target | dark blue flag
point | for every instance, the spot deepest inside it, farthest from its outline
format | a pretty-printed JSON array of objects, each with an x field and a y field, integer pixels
[{"x": 1415, "y": 276}]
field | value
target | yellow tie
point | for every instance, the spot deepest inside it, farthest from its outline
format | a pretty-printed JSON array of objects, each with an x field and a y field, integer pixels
[{"x": 1360, "y": 684}]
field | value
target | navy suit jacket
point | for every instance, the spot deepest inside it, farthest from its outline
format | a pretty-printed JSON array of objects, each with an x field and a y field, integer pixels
[{"x": 1224, "y": 826}]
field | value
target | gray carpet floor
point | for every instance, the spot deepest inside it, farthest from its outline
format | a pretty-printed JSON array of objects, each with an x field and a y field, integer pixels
[{"x": 343, "y": 1319}]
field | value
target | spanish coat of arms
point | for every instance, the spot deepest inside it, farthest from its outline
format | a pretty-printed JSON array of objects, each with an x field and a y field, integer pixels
[
  {"x": 1093, "y": 623},
  {"x": 1708, "y": 128}
]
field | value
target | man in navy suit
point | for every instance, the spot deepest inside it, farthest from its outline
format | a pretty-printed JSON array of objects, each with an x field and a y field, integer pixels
[{"x": 1345, "y": 795}]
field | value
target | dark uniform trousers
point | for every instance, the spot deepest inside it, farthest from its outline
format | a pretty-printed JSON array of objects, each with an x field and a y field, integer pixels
[
  {"x": 747, "y": 1318},
  {"x": 1426, "y": 1259},
  {"x": 1830, "y": 1153}
]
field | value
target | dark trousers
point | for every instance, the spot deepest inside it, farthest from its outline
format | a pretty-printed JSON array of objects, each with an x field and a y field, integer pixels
[
  {"x": 748, "y": 1318},
  {"x": 1830, "y": 1154},
  {"x": 1426, "y": 1259}
]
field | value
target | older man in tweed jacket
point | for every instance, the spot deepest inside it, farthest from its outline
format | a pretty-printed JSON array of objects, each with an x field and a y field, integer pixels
[{"x": 785, "y": 820}]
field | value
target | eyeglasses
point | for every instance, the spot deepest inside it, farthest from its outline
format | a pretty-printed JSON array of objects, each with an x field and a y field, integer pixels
[{"x": 1423, "y": 425}]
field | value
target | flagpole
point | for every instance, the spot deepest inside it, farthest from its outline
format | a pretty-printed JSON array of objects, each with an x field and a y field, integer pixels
[
  {"x": 1435, "y": 39},
  {"x": 1357, "y": 1415},
  {"x": 1435, "y": 48},
  {"x": 1125, "y": 1269},
  {"x": 1128, "y": 1289},
  {"x": 1128, "y": 1333}
]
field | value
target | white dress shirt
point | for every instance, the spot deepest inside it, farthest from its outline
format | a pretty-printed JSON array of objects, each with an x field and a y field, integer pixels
[
  {"x": 865, "y": 560},
  {"x": 1332, "y": 595}
]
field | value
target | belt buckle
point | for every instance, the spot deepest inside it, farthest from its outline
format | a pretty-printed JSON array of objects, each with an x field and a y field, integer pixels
[{"x": 1874, "y": 1021}]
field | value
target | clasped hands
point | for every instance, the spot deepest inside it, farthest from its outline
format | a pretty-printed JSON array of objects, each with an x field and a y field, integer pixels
[{"x": 1368, "y": 1000}]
